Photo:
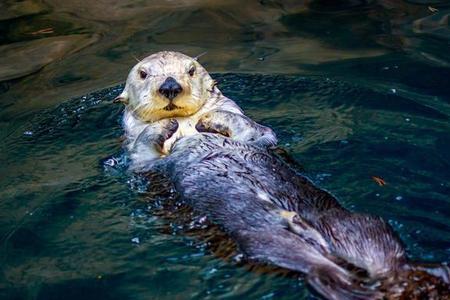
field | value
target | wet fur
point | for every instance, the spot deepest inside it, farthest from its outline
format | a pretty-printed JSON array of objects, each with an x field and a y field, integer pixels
[{"x": 277, "y": 216}]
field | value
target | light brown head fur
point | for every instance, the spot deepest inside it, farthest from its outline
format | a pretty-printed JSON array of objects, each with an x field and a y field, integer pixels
[{"x": 142, "y": 93}]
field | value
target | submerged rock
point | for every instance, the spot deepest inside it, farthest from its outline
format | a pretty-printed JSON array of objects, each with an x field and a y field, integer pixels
[{"x": 23, "y": 58}]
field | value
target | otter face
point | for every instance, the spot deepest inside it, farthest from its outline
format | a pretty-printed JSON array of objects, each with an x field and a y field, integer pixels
[{"x": 166, "y": 85}]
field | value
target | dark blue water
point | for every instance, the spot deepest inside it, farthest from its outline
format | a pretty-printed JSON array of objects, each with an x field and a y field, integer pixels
[
  {"x": 72, "y": 227},
  {"x": 357, "y": 91}
]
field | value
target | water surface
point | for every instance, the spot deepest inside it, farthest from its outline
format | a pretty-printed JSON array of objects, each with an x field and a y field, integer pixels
[{"x": 354, "y": 90}]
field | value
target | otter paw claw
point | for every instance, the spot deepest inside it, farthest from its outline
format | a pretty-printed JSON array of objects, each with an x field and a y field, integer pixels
[{"x": 170, "y": 127}]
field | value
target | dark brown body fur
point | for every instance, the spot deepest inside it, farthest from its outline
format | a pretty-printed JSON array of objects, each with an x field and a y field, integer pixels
[{"x": 246, "y": 190}]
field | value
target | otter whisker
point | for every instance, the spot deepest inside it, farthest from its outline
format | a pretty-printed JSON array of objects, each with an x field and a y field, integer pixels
[
  {"x": 200, "y": 55},
  {"x": 143, "y": 111},
  {"x": 137, "y": 59},
  {"x": 194, "y": 96},
  {"x": 148, "y": 114},
  {"x": 139, "y": 106}
]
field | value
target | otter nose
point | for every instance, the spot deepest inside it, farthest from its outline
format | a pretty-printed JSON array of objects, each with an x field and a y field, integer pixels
[{"x": 170, "y": 88}]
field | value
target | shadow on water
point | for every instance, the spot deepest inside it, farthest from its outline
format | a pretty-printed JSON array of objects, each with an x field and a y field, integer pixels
[{"x": 353, "y": 89}]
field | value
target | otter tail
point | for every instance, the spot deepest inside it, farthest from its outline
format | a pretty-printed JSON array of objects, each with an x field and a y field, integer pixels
[
  {"x": 419, "y": 281},
  {"x": 412, "y": 281},
  {"x": 441, "y": 270}
]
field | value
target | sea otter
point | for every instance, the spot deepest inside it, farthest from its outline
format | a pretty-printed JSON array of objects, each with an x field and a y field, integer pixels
[
  {"x": 171, "y": 92},
  {"x": 273, "y": 213}
]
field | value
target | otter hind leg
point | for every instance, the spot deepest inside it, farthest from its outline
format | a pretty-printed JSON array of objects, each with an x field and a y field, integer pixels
[
  {"x": 325, "y": 279},
  {"x": 283, "y": 248},
  {"x": 301, "y": 227},
  {"x": 362, "y": 240}
]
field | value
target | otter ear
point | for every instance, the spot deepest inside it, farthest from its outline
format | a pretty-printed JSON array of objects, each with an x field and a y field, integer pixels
[{"x": 122, "y": 98}]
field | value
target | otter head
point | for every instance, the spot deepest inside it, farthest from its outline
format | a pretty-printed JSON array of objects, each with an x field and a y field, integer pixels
[{"x": 166, "y": 85}]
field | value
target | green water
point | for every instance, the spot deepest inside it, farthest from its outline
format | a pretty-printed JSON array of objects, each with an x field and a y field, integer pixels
[{"x": 353, "y": 90}]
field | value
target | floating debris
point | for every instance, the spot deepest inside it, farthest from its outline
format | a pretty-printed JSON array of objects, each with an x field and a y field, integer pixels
[
  {"x": 432, "y": 9},
  {"x": 47, "y": 30},
  {"x": 322, "y": 176},
  {"x": 110, "y": 162},
  {"x": 268, "y": 296},
  {"x": 238, "y": 258},
  {"x": 380, "y": 181},
  {"x": 135, "y": 240}
]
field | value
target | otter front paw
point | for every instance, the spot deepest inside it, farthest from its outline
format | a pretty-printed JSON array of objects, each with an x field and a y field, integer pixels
[
  {"x": 238, "y": 127},
  {"x": 206, "y": 124},
  {"x": 155, "y": 135},
  {"x": 168, "y": 128},
  {"x": 149, "y": 144}
]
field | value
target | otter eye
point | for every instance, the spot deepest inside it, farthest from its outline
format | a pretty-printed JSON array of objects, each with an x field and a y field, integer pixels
[
  {"x": 142, "y": 74},
  {"x": 191, "y": 71}
]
